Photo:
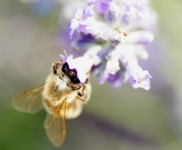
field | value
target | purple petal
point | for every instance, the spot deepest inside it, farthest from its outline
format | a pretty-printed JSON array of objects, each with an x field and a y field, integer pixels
[
  {"x": 115, "y": 79},
  {"x": 82, "y": 19},
  {"x": 63, "y": 58},
  {"x": 140, "y": 80}
]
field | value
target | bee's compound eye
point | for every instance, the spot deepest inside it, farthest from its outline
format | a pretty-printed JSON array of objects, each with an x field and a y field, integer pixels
[
  {"x": 73, "y": 76},
  {"x": 72, "y": 73},
  {"x": 65, "y": 68},
  {"x": 75, "y": 80}
]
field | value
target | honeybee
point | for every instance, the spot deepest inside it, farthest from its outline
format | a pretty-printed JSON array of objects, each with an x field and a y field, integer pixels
[{"x": 61, "y": 96}]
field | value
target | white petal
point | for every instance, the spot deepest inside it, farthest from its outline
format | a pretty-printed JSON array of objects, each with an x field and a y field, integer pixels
[
  {"x": 139, "y": 37},
  {"x": 112, "y": 66}
]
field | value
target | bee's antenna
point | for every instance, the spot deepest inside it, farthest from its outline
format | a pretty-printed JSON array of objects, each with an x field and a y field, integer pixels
[{"x": 65, "y": 52}]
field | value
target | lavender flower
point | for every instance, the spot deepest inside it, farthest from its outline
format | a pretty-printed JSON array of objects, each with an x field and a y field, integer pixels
[{"x": 113, "y": 35}]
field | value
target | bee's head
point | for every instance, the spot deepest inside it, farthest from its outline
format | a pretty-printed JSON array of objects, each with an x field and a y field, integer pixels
[
  {"x": 66, "y": 75},
  {"x": 71, "y": 73},
  {"x": 76, "y": 69}
]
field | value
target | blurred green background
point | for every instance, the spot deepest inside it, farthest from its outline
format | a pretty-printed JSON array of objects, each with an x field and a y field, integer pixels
[{"x": 120, "y": 119}]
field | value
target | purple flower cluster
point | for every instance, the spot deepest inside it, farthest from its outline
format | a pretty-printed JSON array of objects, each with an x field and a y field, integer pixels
[{"x": 113, "y": 34}]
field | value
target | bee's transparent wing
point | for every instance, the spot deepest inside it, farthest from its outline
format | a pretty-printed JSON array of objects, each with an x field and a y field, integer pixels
[
  {"x": 30, "y": 100},
  {"x": 56, "y": 128}
]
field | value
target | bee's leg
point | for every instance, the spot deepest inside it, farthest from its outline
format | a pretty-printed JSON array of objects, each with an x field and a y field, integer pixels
[
  {"x": 75, "y": 88},
  {"x": 82, "y": 93}
]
